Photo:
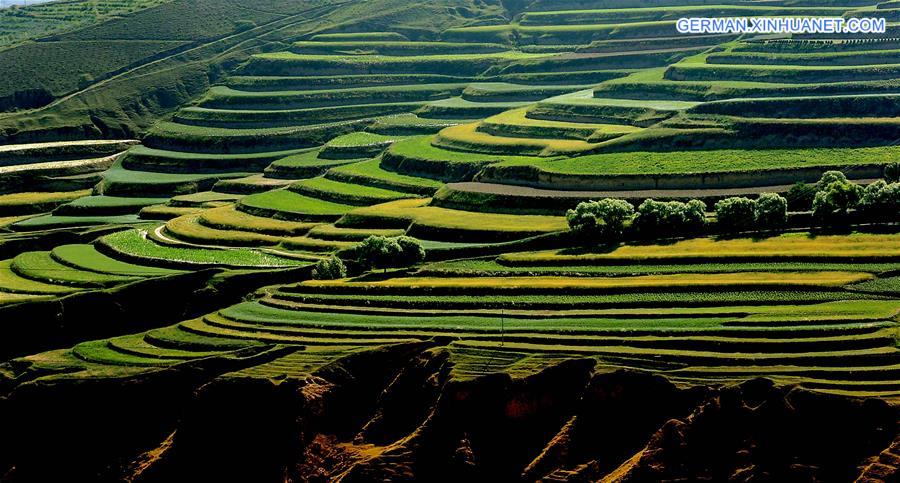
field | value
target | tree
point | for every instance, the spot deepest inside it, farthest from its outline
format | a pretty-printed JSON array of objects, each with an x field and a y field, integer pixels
[
  {"x": 411, "y": 250},
  {"x": 829, "y": 177},
  {"x": 892, "y": 172},
  {"x": 735, "y": 214},
  {"x": 602, "y": 220},
  {"x": 880, "y": 201},
  {"x": 770, "y": 211},
  {"x": 382, "y": 252},
  {"x": 694, "y": 216},
  {"x": 378, "y": 252},
  {"x": 833, "y": 202},
  {"x": 800, "y": 197},
  {"x": 329, "y": 269},
  {"x": 658, "y": 218}
]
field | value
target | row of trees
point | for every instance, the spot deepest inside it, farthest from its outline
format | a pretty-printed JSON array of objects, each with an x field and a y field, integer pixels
[{"x": 834, "y": 202}]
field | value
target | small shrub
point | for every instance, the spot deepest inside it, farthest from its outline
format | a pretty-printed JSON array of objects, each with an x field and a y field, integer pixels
[
  {"x": 244, "y": 25},
  {"x": 331, "y": 268},
  {"x": 800, "y": 197},
  {"x": 602, "y": 220},
  {"x": 736, "y": 214},
  {"x": 770, "y": 211}
]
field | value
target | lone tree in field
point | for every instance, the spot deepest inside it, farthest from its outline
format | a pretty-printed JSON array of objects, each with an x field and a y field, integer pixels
[
  {"x": 663, "y": 218},
  {"x": 770, "y": 211},
  {"x": 329, "y": 269},
  {"x": 602, "y": 221},
  {"x": 382, "y": 252},
  {"x": 736, "y": 214}
]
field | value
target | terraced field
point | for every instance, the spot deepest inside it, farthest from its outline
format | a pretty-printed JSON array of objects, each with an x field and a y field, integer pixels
[{"x": 462, "y": 140}]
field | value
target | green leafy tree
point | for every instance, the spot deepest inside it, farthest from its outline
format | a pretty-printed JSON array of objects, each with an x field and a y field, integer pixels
[
  {"x": 736, "y": 214},
  {"x": 831, "y": 177},
  {"x": 663, "y": 218},
  {"x": 694, "y": 216},
  {"x": 378, "y": 252},
  {"x": 382, "y": 252},
  {"x": 834, "y": 202},
  {"x": 331, "y": 268},
  {"x": 880, "y": 201},
  {"x": 800, "y": 197},
  {"x": 411, "y": 250},
  {"x": 602, "y": 221},
  {"x": 770, "y": 211}
]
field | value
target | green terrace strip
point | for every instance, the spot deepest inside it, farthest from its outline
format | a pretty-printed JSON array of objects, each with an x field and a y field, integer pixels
[
  {"x": 42, "y": 267},
  {"x": 442, "y": 224},
  {"x": 134, "y": 246},
  {"x": 409, "y": 124},
  {"x": 869, "y": 57},
  {"x": 516, "y": 123},
  {"x": 288, "y": 63},
  {"x": 383, "y": 47},
  {"x": 264, "y": 83},
  {"x": 292, "y": 206},
  {"x": 864, "y": 105},
  {"x": 561, "y": 34},
  {"x": 793, "y": 74},
  {"x": 229, "y": 218},
  {"x": 556, "y": 302},
  {"x": 794, "y": 247},
  {"x": 507, "y": 92},
  {"x": 52, "y": 222},
  {"x": 105, "y": 206},
  {"x": 305, "y": 165},
  {"x": 514, "y": 267},
  {"x": 357, "y": 145},
  {"x": 119, "y": 181},
  {"x": 418, "y": 157},
  {"x": 759, "y": 164},
  {"x": 717, "y": 90},
  {"x": 346, "y": 193},
  {"x": 467, "y": 137},
  {"x": 87, "y": 258},
  {"x": 36, "y": 202},
  {"x": 221, "y": 97},
  {"x": 181, "y": 137},
  {"x": 371, "y": 173},
  {"x": 459, "y": 108},
  {"x": 142, "y": 158},
  {"x": 614, "y": 15},
  {"x": 268, "y": 118},
  {"x": 13, "y": 283},
  {"x": 548, "y": 284}
]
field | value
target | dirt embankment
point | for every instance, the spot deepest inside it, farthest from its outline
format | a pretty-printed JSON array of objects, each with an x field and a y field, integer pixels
[{"x": 398, "y": 414}]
